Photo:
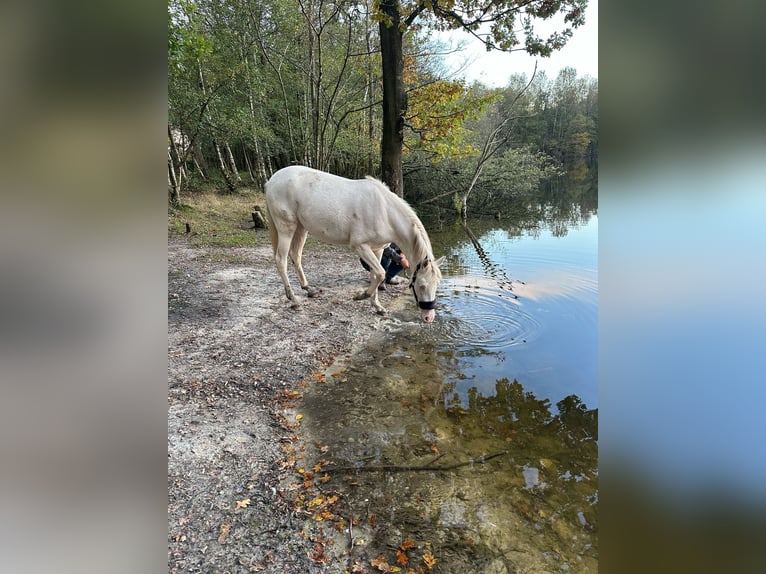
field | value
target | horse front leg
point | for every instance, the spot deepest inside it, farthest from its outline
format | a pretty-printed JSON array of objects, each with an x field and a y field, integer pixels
[{"x": 377, "y": 275}]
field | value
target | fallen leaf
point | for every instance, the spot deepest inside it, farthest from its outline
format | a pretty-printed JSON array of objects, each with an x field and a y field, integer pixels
[
  {"x": 225, "y": 528},
  {"x": 298, "y": 417},
  {"x": 324, "y": 478},
  {"x": 401, "y": 558},
  {"x": 243, "y": 503},
  {"x": 429, "y": 559},
  {"x": 407, "y": 544},
  {"x": 320, "y": 557},
  {"x": 317, "y": 467},
  {"x": 381, "y": 564}
]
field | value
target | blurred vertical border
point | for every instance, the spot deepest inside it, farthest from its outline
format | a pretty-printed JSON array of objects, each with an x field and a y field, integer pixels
[
  {"x": 682, "y": 264},
  {"x": 83, "y": 286}
]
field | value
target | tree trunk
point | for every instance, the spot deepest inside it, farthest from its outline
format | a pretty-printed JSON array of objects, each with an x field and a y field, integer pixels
[
  {"x": 199, "y": 159},
  {"x": 315, "y": 70},
  {"x": 232, "y": 163},
  {"x": 249, "y": 169},
  {"x": 175, "y": 188},
  {"x": 224, "y": 171},
  {"x": 474, "y": 179},
  {"x": 369, "y": 95},
  {"x": 174, "y": 175},
  {"x": 257, "y": 171},
  {"x": 199, "y": 169},
  {"x": 394, "y": 97}
]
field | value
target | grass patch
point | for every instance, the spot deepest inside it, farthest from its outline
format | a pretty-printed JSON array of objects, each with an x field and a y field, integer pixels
[{"x": 217, "y": 220}]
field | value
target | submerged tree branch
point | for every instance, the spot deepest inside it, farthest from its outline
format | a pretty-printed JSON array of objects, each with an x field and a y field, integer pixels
[{"x": 412, "y": 468}]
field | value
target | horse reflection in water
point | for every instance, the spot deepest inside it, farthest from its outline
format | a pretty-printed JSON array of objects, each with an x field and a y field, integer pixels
[{"x": 362, "y": 214}]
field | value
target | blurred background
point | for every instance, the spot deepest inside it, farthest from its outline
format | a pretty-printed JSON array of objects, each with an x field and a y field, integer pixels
[
  {"x": 681, "y": 258},
  {"x": 83, "y": 286}
]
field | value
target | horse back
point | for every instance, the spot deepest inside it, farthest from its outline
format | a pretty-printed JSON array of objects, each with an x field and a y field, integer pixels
[{"x": 332, "y": 208}]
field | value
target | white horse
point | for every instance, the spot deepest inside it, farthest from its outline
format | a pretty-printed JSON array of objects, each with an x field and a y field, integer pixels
[{"x": 363, "y": 214}]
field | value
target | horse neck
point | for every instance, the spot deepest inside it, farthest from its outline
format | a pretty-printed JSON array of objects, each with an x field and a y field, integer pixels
[{"x": 412, "y": 239}]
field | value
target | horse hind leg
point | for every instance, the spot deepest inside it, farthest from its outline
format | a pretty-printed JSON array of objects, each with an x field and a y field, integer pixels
[
  {"x": 296, "y": 254},
  {"x": 280, "y": 255}
]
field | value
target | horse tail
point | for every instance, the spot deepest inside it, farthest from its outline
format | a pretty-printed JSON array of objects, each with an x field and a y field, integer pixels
[{"x": 272, "y": 231}]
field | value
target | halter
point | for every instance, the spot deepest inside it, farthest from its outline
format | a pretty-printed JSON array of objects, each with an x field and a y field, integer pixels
[{"x": 422, "y": 304}]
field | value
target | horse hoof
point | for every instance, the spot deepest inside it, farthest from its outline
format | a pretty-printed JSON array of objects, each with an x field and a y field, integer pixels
[
  {"x": 381, "y": 311},
  {"x": 360, "y": 296},
  {"x": 313, "y": 293},
  {"x": 295, "y": 307}
]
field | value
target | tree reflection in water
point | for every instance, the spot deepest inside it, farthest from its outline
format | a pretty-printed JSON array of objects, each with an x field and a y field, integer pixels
[{"x": 550, "y": 476}]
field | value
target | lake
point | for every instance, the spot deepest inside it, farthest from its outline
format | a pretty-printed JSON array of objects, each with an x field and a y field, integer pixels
[
  {"x": 524, "y": 305},
  {"x": 472, "y": 441}
]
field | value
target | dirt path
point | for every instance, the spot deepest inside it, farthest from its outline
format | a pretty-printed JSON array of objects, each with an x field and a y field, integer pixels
[{"x": 234, "y": 348}]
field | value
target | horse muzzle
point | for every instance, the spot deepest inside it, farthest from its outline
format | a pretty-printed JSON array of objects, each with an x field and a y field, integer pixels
[{"x": 427, "y": 310}]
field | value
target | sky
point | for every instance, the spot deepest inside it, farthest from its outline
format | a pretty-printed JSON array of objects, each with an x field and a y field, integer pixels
[{"x": 495, "y": 68}]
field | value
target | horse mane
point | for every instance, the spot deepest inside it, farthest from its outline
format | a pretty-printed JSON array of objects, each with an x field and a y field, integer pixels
[{"x": 421, "y": 243}]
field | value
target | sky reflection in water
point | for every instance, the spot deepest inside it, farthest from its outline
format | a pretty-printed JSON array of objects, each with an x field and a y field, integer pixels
[{"x": 526, "y": 308}]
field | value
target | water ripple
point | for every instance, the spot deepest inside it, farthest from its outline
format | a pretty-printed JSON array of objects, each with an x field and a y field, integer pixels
[{"x": 479, "y": 313}]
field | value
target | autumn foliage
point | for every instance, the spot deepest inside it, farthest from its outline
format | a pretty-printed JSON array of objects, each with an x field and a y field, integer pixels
[{"x": 436, "y": 111}]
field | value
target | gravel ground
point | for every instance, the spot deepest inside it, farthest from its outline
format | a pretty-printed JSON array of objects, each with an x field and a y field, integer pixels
[{"x": 235, "y": 354}]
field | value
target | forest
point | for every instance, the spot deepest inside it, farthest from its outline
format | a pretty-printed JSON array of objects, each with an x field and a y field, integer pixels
[{"x": 256, "y": 85}]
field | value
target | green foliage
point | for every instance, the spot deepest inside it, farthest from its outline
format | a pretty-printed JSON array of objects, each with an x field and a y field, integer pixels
[
  {"x": 277, "y": 83},
  {"x": 280, "y": 84},
  {"x": 186, "y": 42},
  {"x": 457, "y": 203},
  {"x": 563, "y": 119}
]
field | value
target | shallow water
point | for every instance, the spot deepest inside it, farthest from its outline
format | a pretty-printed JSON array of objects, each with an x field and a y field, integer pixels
[{"x": 476, "y": 436}]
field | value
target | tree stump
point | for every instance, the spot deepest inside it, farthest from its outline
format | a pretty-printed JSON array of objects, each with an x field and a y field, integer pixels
[{"x": 259, "y": 221}]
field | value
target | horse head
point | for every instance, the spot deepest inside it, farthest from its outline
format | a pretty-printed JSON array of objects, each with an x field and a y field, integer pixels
[{"x": 425, "y": 280}]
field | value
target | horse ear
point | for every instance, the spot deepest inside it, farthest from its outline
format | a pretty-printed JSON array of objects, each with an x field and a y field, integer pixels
[{"x": 439, "y": 261}]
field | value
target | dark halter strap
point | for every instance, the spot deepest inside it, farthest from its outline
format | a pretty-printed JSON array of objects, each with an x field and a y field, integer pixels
[{"x": 422, "y": 304}]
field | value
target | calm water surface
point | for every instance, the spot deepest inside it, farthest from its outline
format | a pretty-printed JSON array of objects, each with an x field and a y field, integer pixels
[
  {"x": 476, "y": 437},
  {"x": 522, "y": 306}
]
